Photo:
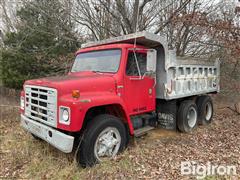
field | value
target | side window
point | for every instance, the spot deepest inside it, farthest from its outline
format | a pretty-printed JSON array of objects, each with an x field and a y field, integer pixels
[{"x": 131, "y": 69}]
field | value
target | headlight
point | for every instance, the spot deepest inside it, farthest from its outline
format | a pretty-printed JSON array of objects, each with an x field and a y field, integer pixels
[
  {"x": 64, "y": 115},
  {"x": 22, "y": 103}
]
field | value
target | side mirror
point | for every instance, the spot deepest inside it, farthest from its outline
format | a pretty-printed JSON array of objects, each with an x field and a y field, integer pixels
[{"x": 151, "y": 60}]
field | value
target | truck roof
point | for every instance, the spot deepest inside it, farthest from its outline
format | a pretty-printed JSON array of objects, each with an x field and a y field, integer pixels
[{"x": 144, "y": 38}]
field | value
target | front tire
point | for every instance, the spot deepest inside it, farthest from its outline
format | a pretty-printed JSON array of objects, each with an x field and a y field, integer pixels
[
  {"x": 104, "y": 137},
  {"x": 187, "y": 116}
]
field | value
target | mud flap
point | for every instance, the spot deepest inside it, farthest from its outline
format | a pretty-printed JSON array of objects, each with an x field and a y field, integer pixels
[{"x": 167, "y": 114}]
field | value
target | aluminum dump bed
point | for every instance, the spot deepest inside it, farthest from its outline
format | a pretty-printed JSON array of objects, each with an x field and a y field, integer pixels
[{"x": 176, "y": 77}]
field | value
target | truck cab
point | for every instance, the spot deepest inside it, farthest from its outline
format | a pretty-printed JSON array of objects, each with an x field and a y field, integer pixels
[{"x": 110, "y": 94}]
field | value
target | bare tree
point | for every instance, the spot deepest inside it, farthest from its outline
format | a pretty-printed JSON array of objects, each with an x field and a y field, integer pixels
[
  {"x": 106, "y": 18},
  {"x": 8, "y": 9}
]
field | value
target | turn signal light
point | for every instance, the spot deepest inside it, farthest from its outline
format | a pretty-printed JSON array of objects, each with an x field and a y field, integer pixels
[{"x": 75, "y": 94}]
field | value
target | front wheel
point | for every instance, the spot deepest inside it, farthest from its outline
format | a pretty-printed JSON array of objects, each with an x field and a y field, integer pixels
[{"x": 104, "y": 138}]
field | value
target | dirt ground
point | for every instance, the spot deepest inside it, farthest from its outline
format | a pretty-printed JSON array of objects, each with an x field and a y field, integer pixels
[{"x": 157, "y": 155}]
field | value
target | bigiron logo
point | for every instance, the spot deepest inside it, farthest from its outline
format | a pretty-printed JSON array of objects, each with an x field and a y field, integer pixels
[{"x": 208, "y": 169}]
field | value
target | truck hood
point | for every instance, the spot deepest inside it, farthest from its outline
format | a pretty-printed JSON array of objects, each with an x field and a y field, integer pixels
[{"x": 84, "y": 82}]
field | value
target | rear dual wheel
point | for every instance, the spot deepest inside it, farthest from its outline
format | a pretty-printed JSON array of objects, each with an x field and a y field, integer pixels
[
  {"x": 205, "y": 110},
  {"x": 190, "y": 113},
  {"x": 187, "y": 116}
]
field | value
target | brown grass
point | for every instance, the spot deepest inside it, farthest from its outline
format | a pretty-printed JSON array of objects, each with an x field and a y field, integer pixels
[{"x": 157, "y": 155}]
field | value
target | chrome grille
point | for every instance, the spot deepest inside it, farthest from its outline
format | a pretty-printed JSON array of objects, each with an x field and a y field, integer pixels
[{"x": 41, "y": 104}]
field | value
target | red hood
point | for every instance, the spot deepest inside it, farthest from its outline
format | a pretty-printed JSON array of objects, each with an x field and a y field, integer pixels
[{"x": 84, "y": 82}]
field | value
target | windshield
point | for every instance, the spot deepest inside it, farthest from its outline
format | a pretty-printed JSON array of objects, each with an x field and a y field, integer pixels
[{"x": 99, "y": 61}]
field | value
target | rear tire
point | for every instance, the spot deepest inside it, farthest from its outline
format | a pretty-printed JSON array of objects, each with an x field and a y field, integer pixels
[
  {"x": 105, "y": 136},
  {"x": 187, "y": 116},
  {"x": 205, "y": 110}
]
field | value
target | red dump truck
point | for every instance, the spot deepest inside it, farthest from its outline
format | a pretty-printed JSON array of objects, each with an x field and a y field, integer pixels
[{"x": 117, "y": 89}]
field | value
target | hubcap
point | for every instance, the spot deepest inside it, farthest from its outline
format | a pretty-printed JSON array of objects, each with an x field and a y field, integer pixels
[
  {"x": 107, "y": 143},
  {"x": 208, "y": 111},
  {"x": 192, "y": 117}
]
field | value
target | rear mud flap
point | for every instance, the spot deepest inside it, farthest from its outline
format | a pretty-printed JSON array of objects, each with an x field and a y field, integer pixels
[{"x": 167, "y": 114}]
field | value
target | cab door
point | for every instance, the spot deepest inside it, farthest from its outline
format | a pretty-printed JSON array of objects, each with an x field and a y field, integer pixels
[{"x": 139, "y": 90}]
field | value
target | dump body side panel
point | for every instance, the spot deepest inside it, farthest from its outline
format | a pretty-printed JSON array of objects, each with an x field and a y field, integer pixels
[{"x": 182, "y": 77}]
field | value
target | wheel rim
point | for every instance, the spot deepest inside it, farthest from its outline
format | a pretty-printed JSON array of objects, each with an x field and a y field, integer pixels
[
  {"x": 107, "y": 143},
  {"x": 208, "y": 111},
  {"x": 192, "y": 117}
]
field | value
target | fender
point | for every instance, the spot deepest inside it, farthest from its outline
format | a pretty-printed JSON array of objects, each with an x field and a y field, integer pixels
[{"x": 79, "y": 108}]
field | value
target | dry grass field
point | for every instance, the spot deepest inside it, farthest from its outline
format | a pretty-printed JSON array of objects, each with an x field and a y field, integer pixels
[{"x": 156, "y": 155}]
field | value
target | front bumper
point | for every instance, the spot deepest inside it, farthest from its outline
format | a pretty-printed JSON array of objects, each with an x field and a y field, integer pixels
[{"x": 54, "y": 137}]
